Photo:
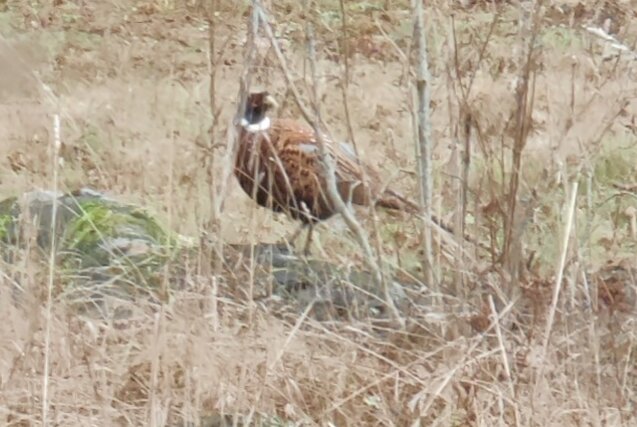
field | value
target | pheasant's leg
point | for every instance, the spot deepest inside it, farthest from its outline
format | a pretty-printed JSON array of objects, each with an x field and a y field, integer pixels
[
  {"x": 308, "y": 242},
  {"x": 295, "y": 235}
]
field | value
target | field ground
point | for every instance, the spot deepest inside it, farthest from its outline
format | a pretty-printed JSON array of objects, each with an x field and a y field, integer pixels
[{"x": 131, "y": 81}]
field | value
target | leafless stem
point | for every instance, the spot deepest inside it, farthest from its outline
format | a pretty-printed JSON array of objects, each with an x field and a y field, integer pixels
[
  {"x": 244, "y": 84},
  {"x": 459, "y": 184},
  {"x": 296, "y": 95},
  {"x": 57, "y": 143},
  {"x": 212, "y": 63},
  {"x": 212, "y": 228},
  {"x": 346, "y": 76},
  {"x": 525, "y": 93},
  {"x": 424, "y": 140},
  {"x": 244, "y": 88},
  {"x": 462, "y": 122},
  {"x": 350, "y": 130}
]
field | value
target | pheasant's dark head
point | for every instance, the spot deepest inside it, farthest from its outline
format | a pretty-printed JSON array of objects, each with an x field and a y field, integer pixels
[{"x": 257, "y": 106}]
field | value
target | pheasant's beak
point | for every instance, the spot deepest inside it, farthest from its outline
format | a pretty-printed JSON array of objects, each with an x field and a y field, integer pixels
[{"x": 270, "y": 102}]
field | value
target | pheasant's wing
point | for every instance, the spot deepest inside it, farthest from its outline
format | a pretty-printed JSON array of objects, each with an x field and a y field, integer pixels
[
  {"x": 352, "y": 177},
  {"x": 292, "y": 154}
]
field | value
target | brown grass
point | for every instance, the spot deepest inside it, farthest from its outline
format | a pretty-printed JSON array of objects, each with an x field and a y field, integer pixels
[{"x": 497, "y": 345}]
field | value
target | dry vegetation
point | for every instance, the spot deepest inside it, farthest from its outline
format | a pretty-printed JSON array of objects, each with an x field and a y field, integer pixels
[{"x": 538, "y": 330}]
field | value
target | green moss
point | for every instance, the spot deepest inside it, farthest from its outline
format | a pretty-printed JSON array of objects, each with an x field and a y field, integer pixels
[
  {"x": 99, "y": 222},
  {"x": 6, "y": 217},
  {"x": 5, "y": 221}
]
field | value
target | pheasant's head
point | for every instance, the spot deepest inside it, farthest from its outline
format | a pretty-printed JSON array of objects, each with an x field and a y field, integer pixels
[{"x": 257, "y": 105}]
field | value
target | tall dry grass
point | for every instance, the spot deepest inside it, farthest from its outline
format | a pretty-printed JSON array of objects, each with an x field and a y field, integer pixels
[{"x": 532, "y": 125}]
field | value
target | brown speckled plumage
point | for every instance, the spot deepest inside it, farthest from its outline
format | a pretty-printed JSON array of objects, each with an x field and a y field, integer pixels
[{"x": 285, "y": 161}]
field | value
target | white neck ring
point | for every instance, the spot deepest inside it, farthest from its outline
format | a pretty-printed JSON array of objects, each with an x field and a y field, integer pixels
[{"x": 256, "y": 127}]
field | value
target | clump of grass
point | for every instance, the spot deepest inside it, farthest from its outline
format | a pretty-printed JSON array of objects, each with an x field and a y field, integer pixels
[{"x": 614, "y": 162}]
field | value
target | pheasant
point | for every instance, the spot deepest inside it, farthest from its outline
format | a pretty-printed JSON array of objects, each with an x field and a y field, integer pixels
[{"x": 278, "y": 165}]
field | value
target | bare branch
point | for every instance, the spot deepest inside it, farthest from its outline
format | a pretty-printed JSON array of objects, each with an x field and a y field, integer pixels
[
  {"x": 424, "y": 139},
  {"x": 525, "y": 94}
]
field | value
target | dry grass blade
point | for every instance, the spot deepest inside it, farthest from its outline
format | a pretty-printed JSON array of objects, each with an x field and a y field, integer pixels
[
  {"x": 505, "y": 359},
  {"x": 277, "y": 358},
  {"x": 242, "y": 330},
  {"x": 55, "y": 160},
  {"x": 557, "y": 287}
]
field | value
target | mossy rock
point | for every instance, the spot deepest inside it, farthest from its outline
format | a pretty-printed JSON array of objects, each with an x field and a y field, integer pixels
[
  {"x": 103, "y": 247},
  {"x": 107, "y": 251}
]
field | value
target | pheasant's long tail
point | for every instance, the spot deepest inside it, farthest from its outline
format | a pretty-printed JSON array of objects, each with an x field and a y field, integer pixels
[
  {"x": 393, "y": 200},
  {"x": 396, "y": 201}
]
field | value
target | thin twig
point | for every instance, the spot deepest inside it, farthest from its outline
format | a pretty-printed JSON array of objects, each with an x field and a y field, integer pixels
[
  {"x": 331, "y": 181},
  {"x": 228, "y": 160},
  {"x": 346, "y": 77},
  {"x": 350, "y": 130},
  {"x": 209, "y": 164},
  {"x": 244, "y": 88}
]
